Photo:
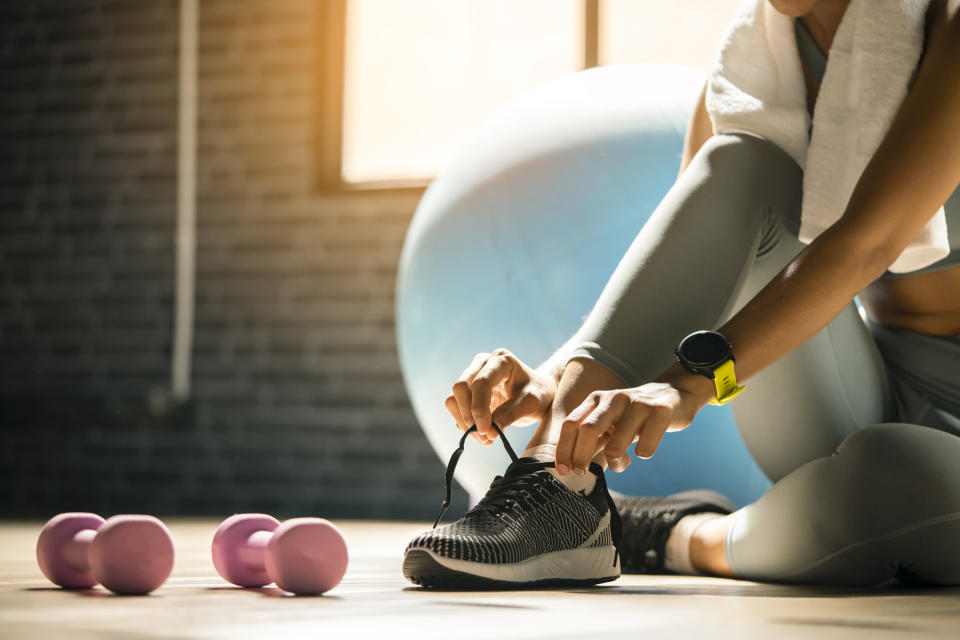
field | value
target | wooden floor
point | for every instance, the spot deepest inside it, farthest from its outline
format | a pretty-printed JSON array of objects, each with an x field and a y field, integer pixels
[{"x": 374, "y": 600}]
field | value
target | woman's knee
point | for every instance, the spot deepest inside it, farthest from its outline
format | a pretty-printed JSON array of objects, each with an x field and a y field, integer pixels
[
  {"x": 753, "y": 164},
  {"x": 902, "y": 467},
  {"x": 899, "y": 442}
]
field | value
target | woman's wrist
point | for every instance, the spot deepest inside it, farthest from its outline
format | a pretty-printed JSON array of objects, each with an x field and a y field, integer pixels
[
  {"x": 554, "y": 367},
  {"x": 700, "y": 387}
]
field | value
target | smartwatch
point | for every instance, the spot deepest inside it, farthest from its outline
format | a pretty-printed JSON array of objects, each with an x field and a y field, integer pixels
[{"x": 710, "y": 354}]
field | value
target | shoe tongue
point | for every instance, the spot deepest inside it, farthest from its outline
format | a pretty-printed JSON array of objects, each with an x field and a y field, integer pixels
[{"x": 523, "y": 466}]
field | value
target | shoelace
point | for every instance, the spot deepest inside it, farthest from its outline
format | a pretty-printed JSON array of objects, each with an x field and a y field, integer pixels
[
  {"x": 505, "y": 489},
  {"x": 452, "y": 466}
]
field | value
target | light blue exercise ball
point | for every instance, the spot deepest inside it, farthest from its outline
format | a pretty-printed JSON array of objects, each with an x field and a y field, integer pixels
[{"x": 514, "y": 240}]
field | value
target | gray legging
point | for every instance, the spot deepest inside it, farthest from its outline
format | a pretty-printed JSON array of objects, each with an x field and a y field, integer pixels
[{"x": 862, "y": 492}]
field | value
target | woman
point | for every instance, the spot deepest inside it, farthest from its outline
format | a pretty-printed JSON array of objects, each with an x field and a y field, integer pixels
[{"x": 863, "y": 443}]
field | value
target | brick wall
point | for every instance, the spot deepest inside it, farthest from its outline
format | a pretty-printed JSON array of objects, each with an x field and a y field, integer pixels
[{"x": 298, "y": 404}]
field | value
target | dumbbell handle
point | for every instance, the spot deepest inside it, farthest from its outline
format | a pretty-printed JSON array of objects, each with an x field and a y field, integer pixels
[
  {"x": 253, "y": 552},
  {"x": 75, "y": 551}
]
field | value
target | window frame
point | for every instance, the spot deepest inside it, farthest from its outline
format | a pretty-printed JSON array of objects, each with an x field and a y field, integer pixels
[{"x": 331, "y": 58}]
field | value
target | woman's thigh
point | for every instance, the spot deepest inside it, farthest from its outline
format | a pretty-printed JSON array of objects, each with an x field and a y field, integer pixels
[
  {"x": 805, "y": 404},
  {"x": 685, "y": 268}
]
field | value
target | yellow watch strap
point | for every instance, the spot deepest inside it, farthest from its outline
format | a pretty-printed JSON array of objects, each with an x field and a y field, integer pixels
[{"x": 726, "y": 381}]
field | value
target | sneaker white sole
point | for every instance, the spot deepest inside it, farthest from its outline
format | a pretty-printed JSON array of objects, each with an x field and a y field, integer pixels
[{"x": 572, "y": 566}]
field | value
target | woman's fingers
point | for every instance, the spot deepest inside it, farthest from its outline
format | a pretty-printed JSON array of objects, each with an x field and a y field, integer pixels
[
  {"x": 451, "y": 405},
  {"x": 610, "y": 421},
  {"x": 515, "y": 408},
  {"x": 569, "y": 431},
  {"x": 461, "y": 388},
  {"x": 657, "y": 423},
  {"x": 489, "y": 381},
  {"x": 619, "y": 464},
  {"x": 495, "y": 370},
  {"x": 625, "y": 432},
  {"x": 461, "y": 396},
  {"x": 603, "y": 422},
  {"x": 454, "y": 410}
]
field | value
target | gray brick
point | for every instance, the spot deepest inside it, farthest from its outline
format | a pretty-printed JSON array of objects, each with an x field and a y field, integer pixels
[{"x": 298, "y": 403}]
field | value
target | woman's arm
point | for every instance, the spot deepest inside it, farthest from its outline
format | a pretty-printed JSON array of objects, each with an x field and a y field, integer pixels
[{"x": 910, "y": 176}]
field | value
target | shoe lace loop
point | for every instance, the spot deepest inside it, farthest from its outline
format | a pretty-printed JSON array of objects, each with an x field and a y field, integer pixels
[{"x": 452, "y": 466}]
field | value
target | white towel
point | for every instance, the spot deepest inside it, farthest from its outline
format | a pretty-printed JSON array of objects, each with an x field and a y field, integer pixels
[{"x": 756, "y": 86}]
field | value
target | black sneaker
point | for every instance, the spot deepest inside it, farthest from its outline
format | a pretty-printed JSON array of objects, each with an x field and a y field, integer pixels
[
  {"x": 528, "y": 530},
  {"x": 647, "y": 523}
]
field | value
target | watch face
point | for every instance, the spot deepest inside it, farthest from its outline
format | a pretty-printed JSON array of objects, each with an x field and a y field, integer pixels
[{"x": 704, "y": 348}]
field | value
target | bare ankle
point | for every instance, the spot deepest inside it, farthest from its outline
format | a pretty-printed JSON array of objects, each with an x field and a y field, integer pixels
[{"x": 707, "y": 554}]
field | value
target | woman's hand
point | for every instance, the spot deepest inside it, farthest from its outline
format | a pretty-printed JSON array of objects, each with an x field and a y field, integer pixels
[
  {"x": 498, "y": 387},
  {"x": 610, "y": 421}
]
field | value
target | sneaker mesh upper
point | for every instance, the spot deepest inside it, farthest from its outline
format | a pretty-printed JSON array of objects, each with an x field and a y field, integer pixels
[{"x": 533, "y": 514}]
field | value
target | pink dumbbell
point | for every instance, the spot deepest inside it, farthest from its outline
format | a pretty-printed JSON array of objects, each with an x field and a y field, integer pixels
[
  {"x": 126, "y": 554},
  {"x": 302, "y": 555}
]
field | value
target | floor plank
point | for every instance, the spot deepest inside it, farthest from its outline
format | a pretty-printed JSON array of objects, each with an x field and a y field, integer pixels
[{"x": 374, "y": 600}]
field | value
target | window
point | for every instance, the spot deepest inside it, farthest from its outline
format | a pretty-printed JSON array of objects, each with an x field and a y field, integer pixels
[
  {"x": 685, "y": 32},
  {"x": 405, "y": 83}
]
